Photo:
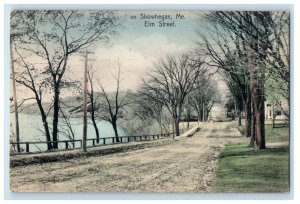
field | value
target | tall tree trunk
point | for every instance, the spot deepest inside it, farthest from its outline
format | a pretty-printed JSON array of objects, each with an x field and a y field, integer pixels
[
  {"x": 206, "y": 114},
  {"x": 95, "y": 126},
  {"x": 173, "y": 127},
  {"x": 247, "y": 109},
  {"x": 257, "y": 91},
  {"x": 201, "y": 113},
  {"x": 177, "y": 129},
  {"x": 114, "y": 124},
  {"x": 240, "y": 110},
  {"x": 160, "y": 121},
  {"x": 55, "y": 116},
  {"x": 240, "y": 119},
  {"x": 177, "y": 120},
  {"x": 45, "y": 123},
  {"x": 252, "y": 126},
  {"x": 258, "y": 102}
]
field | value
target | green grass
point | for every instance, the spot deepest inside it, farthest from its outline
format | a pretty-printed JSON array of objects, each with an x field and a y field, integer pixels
[
  {"x": 242, "y": 169},
  {"x": 276, "y": 134}
]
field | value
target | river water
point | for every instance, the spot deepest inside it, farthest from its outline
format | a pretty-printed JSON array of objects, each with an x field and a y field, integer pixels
[{"x": 31, "y": 129}]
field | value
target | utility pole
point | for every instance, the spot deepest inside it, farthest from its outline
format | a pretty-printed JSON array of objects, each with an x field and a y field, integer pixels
[
  {"x": 85, "y": 103},
  {"x": 15, "y": 98},
  {"x": 85, "y": 79}
]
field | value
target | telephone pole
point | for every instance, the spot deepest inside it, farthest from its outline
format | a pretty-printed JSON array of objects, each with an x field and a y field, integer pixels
[
  {"x": 85, "y": 103},
  {"x": 85, "y": 80},
  {"x": 15, "y": 99}
]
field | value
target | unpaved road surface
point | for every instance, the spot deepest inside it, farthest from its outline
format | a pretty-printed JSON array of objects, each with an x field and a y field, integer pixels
[{"x": 187, "y": 164}]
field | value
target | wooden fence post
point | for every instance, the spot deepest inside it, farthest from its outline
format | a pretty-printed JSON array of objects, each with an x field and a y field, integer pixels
[{"x": 27, "y": 147}]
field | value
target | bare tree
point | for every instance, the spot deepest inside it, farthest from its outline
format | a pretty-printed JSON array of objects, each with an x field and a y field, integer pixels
[
  {"x": 171, "y": 80},
  {"x": 94, "y": 106},
  {"x": 112, "y": 104},
  {"x": 28, "y": 78},
  {"x": 52, "y": 37}
]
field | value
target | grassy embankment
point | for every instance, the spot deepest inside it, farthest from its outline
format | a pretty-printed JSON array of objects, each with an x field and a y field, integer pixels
[{"x": 242, "y": 169}]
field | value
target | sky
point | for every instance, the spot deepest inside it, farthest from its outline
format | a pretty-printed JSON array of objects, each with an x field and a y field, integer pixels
[
  {"x": 137, "y": 47},
  {"x": 139, "y": 43}
]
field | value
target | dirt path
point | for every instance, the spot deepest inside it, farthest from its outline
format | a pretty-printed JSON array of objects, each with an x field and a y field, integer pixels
[{"x": 185, "y": 165}]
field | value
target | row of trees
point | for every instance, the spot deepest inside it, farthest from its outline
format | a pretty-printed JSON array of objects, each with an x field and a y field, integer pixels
[
  {"x": 172, "y": 80},
  {"x": 251, "y": 51},
  {"x": 43, "y": 43},
  {"x": 174, "y": 85}
]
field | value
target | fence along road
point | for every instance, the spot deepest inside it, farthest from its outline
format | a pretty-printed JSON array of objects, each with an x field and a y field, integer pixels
[{"x": 187, "y": 164}]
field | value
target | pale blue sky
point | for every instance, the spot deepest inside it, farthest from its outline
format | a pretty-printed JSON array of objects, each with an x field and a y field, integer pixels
[{"x": 137, "y": 47}]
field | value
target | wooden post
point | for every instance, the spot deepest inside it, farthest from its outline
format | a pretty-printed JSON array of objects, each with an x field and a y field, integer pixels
[
  {"x": 27, "y": 147},
  {"x": 66, "y": 144}
]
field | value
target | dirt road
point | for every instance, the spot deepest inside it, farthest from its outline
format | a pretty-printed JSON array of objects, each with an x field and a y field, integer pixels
[{"x": 185, "y": 165}]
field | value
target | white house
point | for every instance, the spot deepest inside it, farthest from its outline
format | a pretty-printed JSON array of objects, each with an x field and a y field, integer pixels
[{"x": 276, "y": 111}]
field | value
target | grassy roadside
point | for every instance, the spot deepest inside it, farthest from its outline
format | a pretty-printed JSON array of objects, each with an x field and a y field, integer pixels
[{"x": 242, "y": 169}]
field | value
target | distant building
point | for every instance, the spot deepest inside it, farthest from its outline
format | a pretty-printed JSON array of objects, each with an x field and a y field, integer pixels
[{"x": 276, "y": 111}]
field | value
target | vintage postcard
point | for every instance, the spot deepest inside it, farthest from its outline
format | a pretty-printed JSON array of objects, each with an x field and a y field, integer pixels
[{"x": 149, "y": 101}]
